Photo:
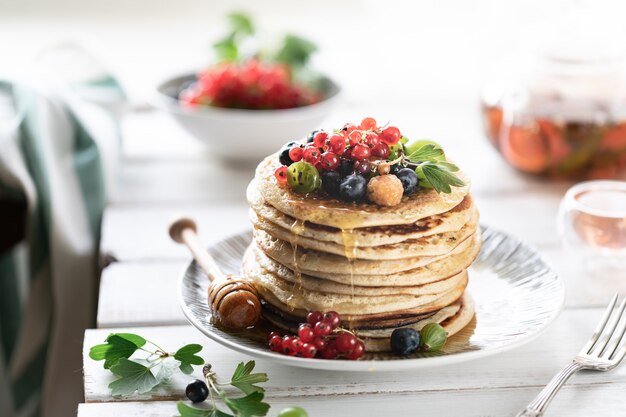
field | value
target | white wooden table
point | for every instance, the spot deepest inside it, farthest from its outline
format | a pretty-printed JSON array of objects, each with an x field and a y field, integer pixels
[{"x": 165, "y": 173}]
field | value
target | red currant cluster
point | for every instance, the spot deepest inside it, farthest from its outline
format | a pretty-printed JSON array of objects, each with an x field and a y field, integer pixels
[
  {"x": 321, "y": 337},
  {"x": 250, "y": 85}
]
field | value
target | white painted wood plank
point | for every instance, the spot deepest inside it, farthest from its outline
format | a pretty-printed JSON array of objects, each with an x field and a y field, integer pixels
[
  {"x": 573, "y": 401},
  {"x": 532, "y": 365},
  {"x": 140, "y": 294},
  {"x": 141, "y": 232}
]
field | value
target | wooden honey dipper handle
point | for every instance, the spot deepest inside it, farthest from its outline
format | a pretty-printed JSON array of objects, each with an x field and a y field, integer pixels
[{"x": 233, "y": 301}]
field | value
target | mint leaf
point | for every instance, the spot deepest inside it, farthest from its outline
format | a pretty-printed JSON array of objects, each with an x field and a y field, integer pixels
[
  {"x": 244, "y": 379},
  {"x": 439, "y": 177},
  {"x": 241, "y": 23},
  {"x": 296, "y": 51},
  {"x": 186, "y": 355},
  {"x": 118, "y": 345},
  {"x": 426, "y": 153},
  {"x": 134, "y": 377},
  {"x": 188, "y": 411},
  {"x": 248, "y": 406}
]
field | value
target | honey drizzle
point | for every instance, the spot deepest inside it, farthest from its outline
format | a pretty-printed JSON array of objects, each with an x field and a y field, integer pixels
[
  {"x": 348, "y": 239},
  {"x": 297, "y": 228}
]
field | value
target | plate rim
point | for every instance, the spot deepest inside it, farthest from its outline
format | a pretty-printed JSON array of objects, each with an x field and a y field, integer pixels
[{"x": 388, "y": 365}]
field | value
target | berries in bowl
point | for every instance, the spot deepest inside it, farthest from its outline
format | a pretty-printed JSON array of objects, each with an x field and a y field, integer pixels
[{"x": 253, "y": 101}]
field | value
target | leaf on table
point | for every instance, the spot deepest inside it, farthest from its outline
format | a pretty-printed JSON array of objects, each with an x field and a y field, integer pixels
[
  {"x": 295, "y": 51},
  {"x": 134, "y": 377},
  {"x": 188, "y": 411},
  {"x": 118, "y": 345},
  {"x": 440, "y": 177},
  {"x": 166, "y": 370},
  {"x": 187, "y": 357},
  {"x": 248, "y": 406},
  {"x": 244, "y": 379}
]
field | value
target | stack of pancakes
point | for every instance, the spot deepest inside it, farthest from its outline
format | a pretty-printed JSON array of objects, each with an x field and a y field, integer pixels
[{"x": 380, "y": 268}]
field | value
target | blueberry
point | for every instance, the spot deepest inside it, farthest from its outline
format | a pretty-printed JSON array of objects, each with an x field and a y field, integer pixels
[
  {"x": 283, "y": 154},
  {"x": 409, "y": 180},
  {"x": 346, "y": 167},
  {"x": 197, "y": 391},
  {"x": 404, "y": 341},
  {"x": 395, "y": 168},
  {"x": 330, "y": 182},
  {"x": 309, "y": 138},
  {"x": 353, "y": 188}
]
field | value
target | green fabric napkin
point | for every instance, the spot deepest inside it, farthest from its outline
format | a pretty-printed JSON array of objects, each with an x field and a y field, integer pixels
[{"x": 52, "y": 195}]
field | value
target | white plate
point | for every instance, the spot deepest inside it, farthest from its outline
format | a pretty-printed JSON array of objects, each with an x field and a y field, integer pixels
[{"x": 516, "y": 292}]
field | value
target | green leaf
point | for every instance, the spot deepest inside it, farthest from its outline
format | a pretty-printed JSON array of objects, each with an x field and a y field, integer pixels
[
  {"x": 134, "y": 377},
  {"x": 244, "y": 379},
  {"x": 186, "y": 355},
  {"x": 296, "y": 51},
  {"x": 118, "y": 345},
  {"x": 241, "y": 23},
  {"x": 248, "y": 406},
  {"x": 449, "y": 166},
  {"x": 226, "y": 49},
  {"x": 439, "y": 177},
  {"x": 188, "y": 411},
  {"x": 426, "y": 153}
]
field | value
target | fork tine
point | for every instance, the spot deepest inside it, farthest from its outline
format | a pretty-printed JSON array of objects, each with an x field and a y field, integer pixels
[
  {"x": 618, "y": 335},
  {"x": 598, "y": 331},
  {"x": 608, "y": 332}
]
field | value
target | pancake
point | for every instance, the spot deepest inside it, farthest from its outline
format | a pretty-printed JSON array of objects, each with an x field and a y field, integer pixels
[
  {"x": 450, "y": 221},
  {"x": 453, "y": 318},
  {"x": 331, "y": 212},
  {"x": 432, "y": 245},
  {"x": 310, "y": 260},
  {"x": 256, "y": 262}
]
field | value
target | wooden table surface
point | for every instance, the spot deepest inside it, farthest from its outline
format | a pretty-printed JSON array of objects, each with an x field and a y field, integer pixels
[{"x": 165, "y": 173}]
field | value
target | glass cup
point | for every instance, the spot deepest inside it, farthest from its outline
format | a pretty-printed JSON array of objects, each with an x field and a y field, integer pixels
[{"x": 592, "y": 225}]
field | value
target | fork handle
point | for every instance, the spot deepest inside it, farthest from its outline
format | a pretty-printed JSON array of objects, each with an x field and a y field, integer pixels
[{"x": 538, "y": 406}]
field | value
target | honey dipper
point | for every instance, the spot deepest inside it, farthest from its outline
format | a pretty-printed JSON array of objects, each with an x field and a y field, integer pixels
[{"x": 233, "y": 302}]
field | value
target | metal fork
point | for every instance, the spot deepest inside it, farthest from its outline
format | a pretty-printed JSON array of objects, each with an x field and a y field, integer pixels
[{"x": 603, "y": 352}]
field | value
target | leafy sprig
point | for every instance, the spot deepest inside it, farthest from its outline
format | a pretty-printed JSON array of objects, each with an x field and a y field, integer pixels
[
  {"x": 243, "y": 379},
  {"x": 142, "y": 374},
  {"x": 431, "y": 166}
]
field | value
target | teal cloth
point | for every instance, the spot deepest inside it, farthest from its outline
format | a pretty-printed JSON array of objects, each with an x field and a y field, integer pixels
[{"x": 52, "y": 196}]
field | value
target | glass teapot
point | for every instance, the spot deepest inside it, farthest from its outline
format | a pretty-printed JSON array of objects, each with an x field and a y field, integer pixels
[{"x": 558, "y": 108}]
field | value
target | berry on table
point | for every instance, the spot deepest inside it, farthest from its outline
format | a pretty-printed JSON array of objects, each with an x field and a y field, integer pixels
[
  {"x": 433, "y": 337},
  {"x": 404, "y": 341},
  {"x": 385, "y": 190},
  {"x": 197, "y": 391},
  {"x": 292, "y": 412},
  {"x": 409, "y": 180}
]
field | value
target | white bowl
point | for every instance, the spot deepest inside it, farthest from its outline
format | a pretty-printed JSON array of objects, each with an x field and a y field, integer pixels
[{"x": 238, "y": 134}]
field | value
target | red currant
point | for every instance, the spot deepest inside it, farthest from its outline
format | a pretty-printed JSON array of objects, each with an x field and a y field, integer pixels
[
  {"x": 281, "y": 174},
  {"x": 371, "y": 139},
  {"x": 296, "y": 346},
  {"x": 368, "y": 124},
  {"x": 319, "y": 343},
  {"x": 381, "y": 151},
  {"x": 276, "y": 343},
  {"x": 322, "y": 329},
  {"x": 272, "y": 334},
  {"x": 348, "y": 128},
  {"x": 336, "y": 144},
  {"x": 347, "y": 154},
  {"x": 330, "y": 352},
  {"x": 332, "y": 317},
  {"x": 313, "y": 317},
  {"x": 354, "y": 138},
  {"x": 330, "y": 161},
  {"x": 311, "y": 154},
  {"x": 319, "y": 139},
  {"x": 391, "y": 135},
  {"x": 345, "y": 342},
  {"x": 361, "y": 152},
  {"x": 357, "y": 351},
  {"x": 287, "y": 345},
  {"x": 309, "y": 350},
  {"x": 362, "y": 167},
  {"x": 305, "y": 332},
  {"x": 295, "y": 153}
]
